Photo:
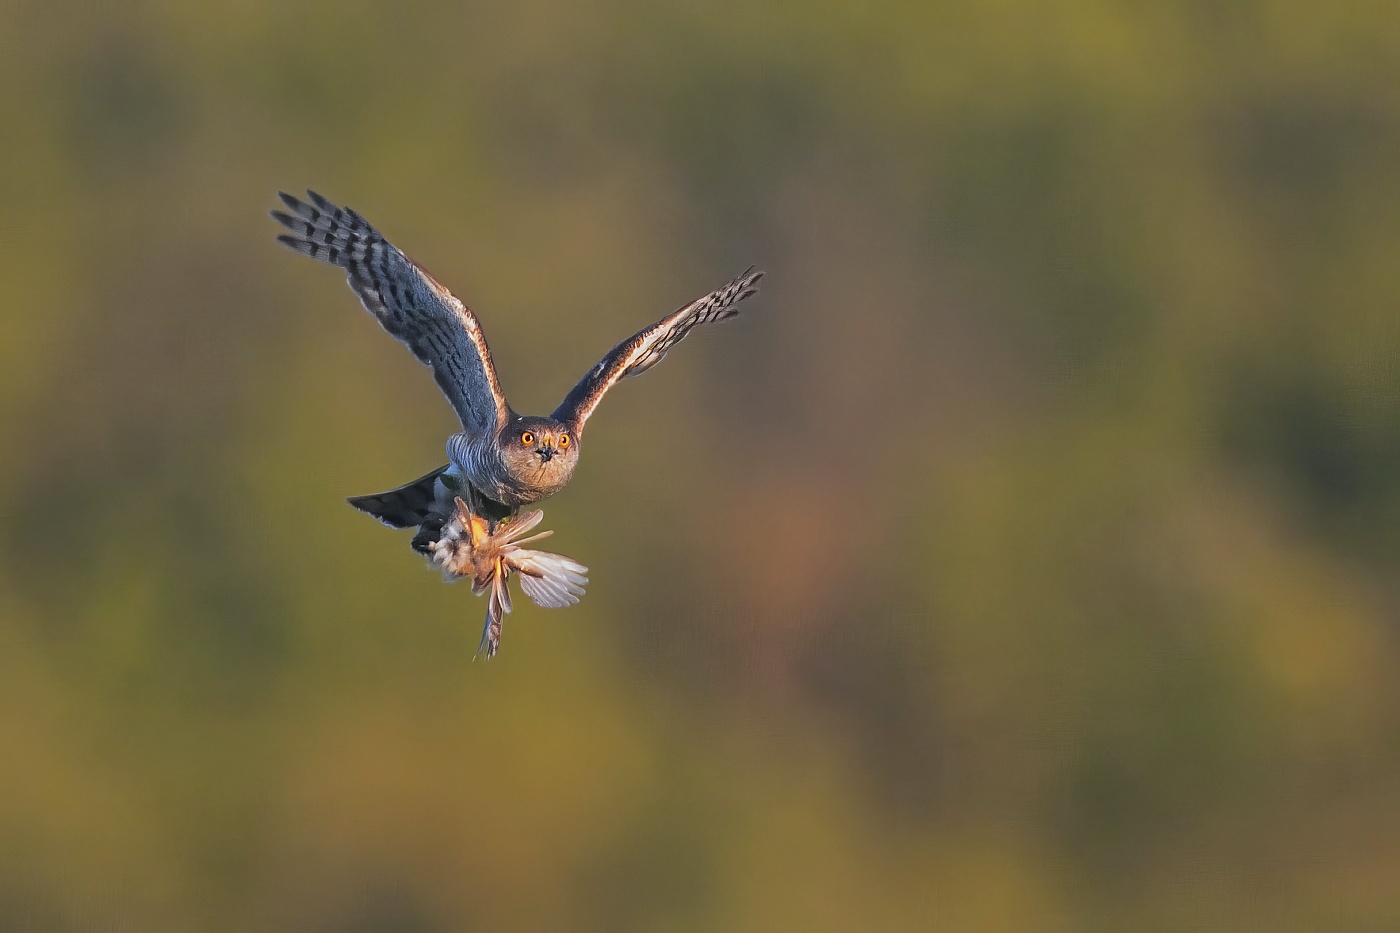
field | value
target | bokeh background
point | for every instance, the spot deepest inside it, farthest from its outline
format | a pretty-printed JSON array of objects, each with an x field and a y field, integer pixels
[{"x": 1023, "y": 559}]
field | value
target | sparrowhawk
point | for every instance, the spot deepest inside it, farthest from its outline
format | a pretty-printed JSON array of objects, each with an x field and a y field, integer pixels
[{"x": 468, "y": 512}]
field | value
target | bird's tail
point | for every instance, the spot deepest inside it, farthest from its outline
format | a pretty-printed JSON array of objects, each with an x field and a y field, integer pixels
[
  {"x": 406, "y": 507},
  {"x": 496, "y": 608}
]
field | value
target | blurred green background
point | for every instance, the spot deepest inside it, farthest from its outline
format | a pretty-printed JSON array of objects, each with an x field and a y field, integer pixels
[{"x": 1024, "y": 559}]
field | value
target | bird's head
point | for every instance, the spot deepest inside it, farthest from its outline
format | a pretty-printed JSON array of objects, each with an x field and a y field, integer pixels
[{"x": 541, "y": 451}]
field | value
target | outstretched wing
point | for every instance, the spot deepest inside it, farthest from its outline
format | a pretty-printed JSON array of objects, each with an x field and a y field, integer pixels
[
  {"x": 645, "y": 349},
  {"x": 440, "y": 330}
]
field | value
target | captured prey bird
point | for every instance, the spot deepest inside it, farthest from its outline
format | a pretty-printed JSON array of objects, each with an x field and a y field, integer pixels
[{"x": 468, "y": 512}]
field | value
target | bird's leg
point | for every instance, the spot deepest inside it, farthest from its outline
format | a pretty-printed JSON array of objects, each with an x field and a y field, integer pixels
[
  {"x": 475, "y": 505},
  {"x": 477, "y": 528}
]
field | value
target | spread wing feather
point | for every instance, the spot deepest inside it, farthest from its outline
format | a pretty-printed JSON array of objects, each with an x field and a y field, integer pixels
[
  {"x": 646, "y": 348},
  {"x": 438, "y": 328}
]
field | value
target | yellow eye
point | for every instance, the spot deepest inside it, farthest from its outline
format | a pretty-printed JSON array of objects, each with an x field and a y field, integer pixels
[
  {"x": 563, "y": 441},
  {"x": 527, "y": 438}
]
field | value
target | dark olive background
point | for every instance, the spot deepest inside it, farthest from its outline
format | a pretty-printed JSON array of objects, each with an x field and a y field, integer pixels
[{"x": 1023, "y": 559}]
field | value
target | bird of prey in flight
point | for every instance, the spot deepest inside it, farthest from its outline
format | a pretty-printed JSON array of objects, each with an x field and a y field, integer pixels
[{"x": 468, "y": 512}]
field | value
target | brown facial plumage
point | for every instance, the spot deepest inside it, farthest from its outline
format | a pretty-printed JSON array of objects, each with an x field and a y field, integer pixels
[{"x": 539, "y": 452}]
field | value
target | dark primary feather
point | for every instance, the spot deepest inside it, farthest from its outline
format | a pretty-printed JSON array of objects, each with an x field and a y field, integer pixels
[
  {"x": 439, "y": 329},
  {"x": 646, "y": 348}
]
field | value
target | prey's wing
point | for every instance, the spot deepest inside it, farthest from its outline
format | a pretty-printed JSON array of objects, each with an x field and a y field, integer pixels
[
  {"x": 440, "y": 330},
  {"x": 550, "y": 580},
  {"x": 645, "y": 349}
]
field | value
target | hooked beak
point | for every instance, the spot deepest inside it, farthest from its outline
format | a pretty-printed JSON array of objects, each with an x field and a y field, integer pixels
[{"x": 546, "y": 453}]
